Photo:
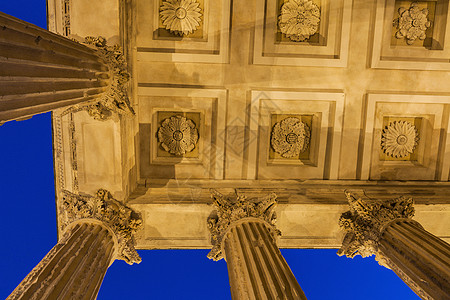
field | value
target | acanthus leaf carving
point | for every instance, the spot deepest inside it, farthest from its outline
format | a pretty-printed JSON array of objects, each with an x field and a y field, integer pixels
[
  {"x": 99, "y": 112},
  {"x": 115, "y": 98},
  {"x": 122, "y": 220},
  {"x": 233, "y": 208},
  {"x": 365, "y": 221}
]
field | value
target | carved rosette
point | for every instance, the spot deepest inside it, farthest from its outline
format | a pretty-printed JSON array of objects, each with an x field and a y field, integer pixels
[
  {"x": 365, "y": 222},
  {"x": 299, "y": 19},
  {"x": 412, "y": 23},
  {"x": 122, "y": 220},
  {"x": 178, "y": 135},
  {"x": 115, "y": 98},
  {"x": 399, "y": 139},
  {"x": 181, "y": 17},
  {"x": 233, "y": 208},
  {"x": 290, "y": 137}
]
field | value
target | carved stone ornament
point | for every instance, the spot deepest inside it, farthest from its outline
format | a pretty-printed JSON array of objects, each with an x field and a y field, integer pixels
[
  {"x": 178, "y": 135},
  {"x": 66, "y": 17},
  {"x": 412, "y": 23},
  {"x": 233, "y": 208},
  {"x": 181, "y": 17},
  {"x": 116, "y": 96},
  {"x": 399, "y": 139},
  {"x": 122, "y": 220},
  {"x": 299, "y": 19},
  {"x": 365, "y": 222},
  {"x": 290, "y": 137},
  {"x": 99, "y": 112}
]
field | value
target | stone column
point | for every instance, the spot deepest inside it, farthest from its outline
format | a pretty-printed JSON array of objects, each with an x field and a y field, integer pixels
[
  {"x": 385, "y": 229},
  {"x": 96, "y": 231},
  {"x": 243, "y": 232},
  {"x": 41, "y": 71}
]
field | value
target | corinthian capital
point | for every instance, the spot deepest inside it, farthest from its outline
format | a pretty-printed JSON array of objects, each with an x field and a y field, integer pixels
[
  {"x": 122, "y": 220},
  {"x": 233, "y": 208},
  {"x": 366, "y": 220},
  {"x": 116, "y": 97}
]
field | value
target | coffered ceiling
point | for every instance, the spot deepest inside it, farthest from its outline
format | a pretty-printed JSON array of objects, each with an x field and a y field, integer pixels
[{"x": 242, "y": 93}]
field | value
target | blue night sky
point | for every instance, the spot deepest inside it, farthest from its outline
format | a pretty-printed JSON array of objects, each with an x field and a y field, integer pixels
[{"x": 29, "y": 230}]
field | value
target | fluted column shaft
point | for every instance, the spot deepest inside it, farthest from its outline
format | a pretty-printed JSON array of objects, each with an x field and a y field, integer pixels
[
  {"x": 256, "y": 268},
  {"x": 41, "y": 71},
  {"x": 243, "y": 232},
  {"x": 419, "y": 258},
  {"x": 74, "y": 268}
]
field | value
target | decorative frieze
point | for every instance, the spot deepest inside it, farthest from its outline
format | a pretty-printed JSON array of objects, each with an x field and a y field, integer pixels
[
  {"x": 366, "y": 220},
  {"x": 66, "y": 17},
  {"x": 232, "y": 208},
  {"x": 290, "y": 137},
  {"x": 412, "y": 23},
  {"x": 399, "y": 139},
  {"x": 181, "y": 17},
  {"x": 299, "y": 19},
  {"x": 178, "y": 135},
  {"x": 122, "y": 220}
]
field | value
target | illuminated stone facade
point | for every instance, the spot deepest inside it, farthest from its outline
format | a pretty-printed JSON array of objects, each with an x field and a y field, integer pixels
[{"x": 231, "y": 100}]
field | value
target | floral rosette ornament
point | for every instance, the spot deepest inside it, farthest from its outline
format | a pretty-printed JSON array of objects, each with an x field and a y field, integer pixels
[
  {"x": 178, "y": 135},
  {"x": 412, "y": 23},
  {"x": 399, "y": 139},
  {"x": 290, "y": 137},
  {"x": 299, "y": 19},
  {"x": 181, "y": 17}
]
